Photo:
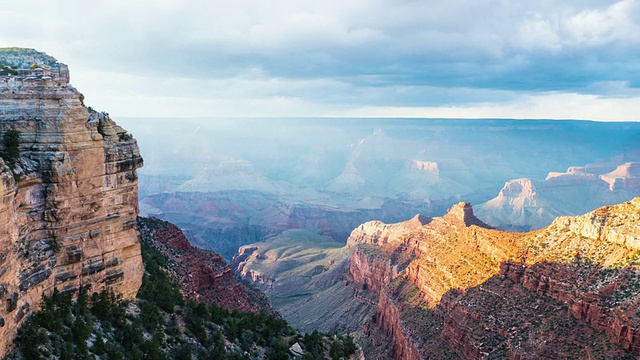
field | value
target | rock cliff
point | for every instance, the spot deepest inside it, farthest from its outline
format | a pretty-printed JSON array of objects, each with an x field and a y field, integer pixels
[
  {"x": 570, "y": 290},
  {"x": 69, "y": 196},
  {"x": 203, "y": 275},
  {"x": 526, "y": 204}
]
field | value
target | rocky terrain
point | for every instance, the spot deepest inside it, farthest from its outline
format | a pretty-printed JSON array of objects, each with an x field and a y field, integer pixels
[
  {"x": 452, "y": 287},
  {"x": 525, "y": 204},
  {"x": 202, "y": 275},
  {"x": 462, "y": 290},
  {"x": 161, "y": 323},
  {"x": 69, "y": 192}
]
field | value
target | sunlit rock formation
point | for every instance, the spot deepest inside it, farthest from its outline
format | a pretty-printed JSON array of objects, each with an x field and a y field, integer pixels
[
  {"x": 525, "y": 204},
  {"x": 455, "y": 288},
  {"x": 69, "y": 198}
]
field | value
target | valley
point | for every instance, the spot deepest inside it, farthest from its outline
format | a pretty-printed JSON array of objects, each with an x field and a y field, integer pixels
[
  {"x": 425, "y": 287},
  {"x": 248, "y": 179}
]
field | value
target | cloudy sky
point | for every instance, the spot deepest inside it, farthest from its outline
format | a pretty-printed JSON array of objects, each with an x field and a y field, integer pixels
[{"x": 409, "y": 58}]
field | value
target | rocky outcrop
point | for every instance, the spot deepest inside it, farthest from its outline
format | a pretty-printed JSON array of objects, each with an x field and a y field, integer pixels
[
  {"x": 69, "y": 201},
  {"x": 388, "y": 318},
  {"x": 525, "y": 204},
  {"x": 625, "y": 176},
  {"x": 203, "y": 275},
  {"x": 379, "y": 233},
  {"x": 614, "y": 224},
  {"x": 429, "y": 167},
  {"x": 244, "y": 257},
  {"x": 372, "y": 271},
  {"x": 571, "y": 290}
]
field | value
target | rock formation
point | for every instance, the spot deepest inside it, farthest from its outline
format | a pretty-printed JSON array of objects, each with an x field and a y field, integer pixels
[
  {"x": 455, "y": 288},
  {"x": 525, "y": 204},
  {"x": 306, "y": 277},
  {"x": 69, "y": 199},
  {"x": 203, "y": 275}
]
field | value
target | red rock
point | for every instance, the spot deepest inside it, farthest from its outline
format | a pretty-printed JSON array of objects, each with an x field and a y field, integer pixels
[
  {"x": 203, "y": 275},
  {"x": 451, "y": 284}
]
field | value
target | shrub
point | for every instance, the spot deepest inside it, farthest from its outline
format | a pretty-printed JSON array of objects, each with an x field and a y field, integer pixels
[{"x": 11, "y": 151}]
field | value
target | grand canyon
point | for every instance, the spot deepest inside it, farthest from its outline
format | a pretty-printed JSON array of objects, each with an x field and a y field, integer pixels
[{"x": 368, "y": 231}]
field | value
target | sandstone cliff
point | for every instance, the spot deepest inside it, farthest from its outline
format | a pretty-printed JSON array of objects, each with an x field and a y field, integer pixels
[
  {"x": 570, "y": 290},
  {"x": 69, "y": 201}
]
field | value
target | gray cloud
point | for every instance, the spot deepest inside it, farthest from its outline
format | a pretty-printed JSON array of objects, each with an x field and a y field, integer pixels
[{"x": 363, "y": 52}]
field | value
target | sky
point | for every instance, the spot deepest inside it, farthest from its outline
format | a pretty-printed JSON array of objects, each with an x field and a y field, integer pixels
[{"x": 574, "y": 59}]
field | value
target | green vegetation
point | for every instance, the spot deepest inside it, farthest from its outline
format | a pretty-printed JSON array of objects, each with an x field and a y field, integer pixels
[
  {"x": 22, "y": 58},
  {"x": 10, "y": 151},
  {"x": 8, "y": 70},
  {"x": 160, "y": 325},
  {"x": 157, "y": 287}
]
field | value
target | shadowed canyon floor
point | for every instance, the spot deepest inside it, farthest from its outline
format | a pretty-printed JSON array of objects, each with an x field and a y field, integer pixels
[{"x": 305, "y": 276}]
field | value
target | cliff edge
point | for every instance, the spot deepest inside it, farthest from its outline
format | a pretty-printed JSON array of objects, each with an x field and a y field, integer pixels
[
  {"x": 68, "y": 190},
  {"x": 454, "y": 288}
]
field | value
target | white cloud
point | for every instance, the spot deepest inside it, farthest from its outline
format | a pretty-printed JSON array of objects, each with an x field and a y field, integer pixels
[
  {"x": 537, "y": 33},
  {"x": 304, "y": 57},
  {"x": 542, "y": 106},
  {"x": 593, "y": 27}
]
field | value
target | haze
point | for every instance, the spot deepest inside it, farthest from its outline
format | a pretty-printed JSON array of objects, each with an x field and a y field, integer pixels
[{"x": 229, "y": 182}]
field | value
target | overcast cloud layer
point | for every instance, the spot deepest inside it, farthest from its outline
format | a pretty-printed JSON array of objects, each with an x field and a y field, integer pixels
[{"x": 455, "y": 58}]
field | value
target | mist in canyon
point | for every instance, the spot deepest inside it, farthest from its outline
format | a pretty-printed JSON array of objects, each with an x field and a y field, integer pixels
[
  {"x": 232, "y": 182},
  {"x": 290, "y": 204}
]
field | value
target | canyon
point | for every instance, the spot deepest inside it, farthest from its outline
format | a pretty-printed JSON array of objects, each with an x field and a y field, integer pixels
[
  {"x": 453, "y": 287},
  {"x": 318, "y": 226},
  {"x": 250, "y": 179},
  {"x": 223, "y": 221},
  {"x": 69, "y": 193},
  {"x": 569, "y": 290}
]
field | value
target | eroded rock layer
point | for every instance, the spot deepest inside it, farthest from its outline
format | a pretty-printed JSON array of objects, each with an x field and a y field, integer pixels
[
  {"x": 69, "y": 200},
  {"x": 203, "y": 275},
  {"x": 571, "y": 290}
]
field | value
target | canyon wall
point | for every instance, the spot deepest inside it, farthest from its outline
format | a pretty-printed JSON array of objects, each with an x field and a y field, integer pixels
[
  {"x": 69, "y": 200},
  {"x": 203, "y": 275},
  {"x": 570, "y": 290},
  {"x": 526, "y": 204}
]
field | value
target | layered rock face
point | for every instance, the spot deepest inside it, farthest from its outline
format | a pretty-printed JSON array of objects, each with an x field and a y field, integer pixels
[
  {"x": 525, "y": 204},
  {"x": 571, "y": 290},
  {"x": 203, "y": 275},
  {"x": 69, "y": 203}
]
